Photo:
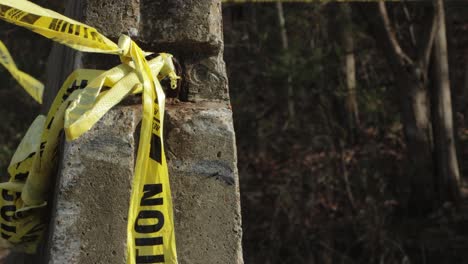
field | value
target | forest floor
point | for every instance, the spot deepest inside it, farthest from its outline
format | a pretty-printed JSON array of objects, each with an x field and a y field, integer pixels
[{"x": 316, "y": 207}]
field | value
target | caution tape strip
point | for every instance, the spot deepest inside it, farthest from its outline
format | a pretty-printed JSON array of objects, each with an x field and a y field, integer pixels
[
  {"x": 150, "y": 230},
  {"x": 32, "y": 86},
  {"x": 57, "y": 27}
]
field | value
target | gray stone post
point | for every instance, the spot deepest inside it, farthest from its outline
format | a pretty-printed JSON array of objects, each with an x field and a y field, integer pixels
[{"x": 89, "y": 210}]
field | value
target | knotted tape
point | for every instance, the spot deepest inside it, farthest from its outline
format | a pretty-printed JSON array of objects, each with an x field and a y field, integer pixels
[{"x": 150, "y": 229}]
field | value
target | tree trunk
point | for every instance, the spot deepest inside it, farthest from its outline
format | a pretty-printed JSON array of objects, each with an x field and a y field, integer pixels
[
  {"x": 465, "y": 84},
  {"x": 445, "y": 153},
  {"x": 282, "y": 25},
  {"x": 285, "y": 46},
  {"x": 349, "y": 67},
  {"x": 461, "y": 101},
  {"x": 415, "y": 105},
  {"x": 411, "y": 79}
]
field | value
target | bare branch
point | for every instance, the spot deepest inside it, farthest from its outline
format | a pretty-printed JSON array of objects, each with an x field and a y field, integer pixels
[
  {"x": 390, "y": 34},
  {"x": 425, "y": 46},
  {"x": 282, "y": 25},
  {"x": 410, "y": 22}
]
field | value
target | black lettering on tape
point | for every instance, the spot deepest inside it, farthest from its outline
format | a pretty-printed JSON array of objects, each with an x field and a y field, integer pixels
[
  {"x": 42, "y": 148},
  {"x": 11, "y": 229},
  {"x": 74, "y": 87},
  {"x": 77, "y": 30},
  {"x": 94, "y": 35},
  {"x": 50, "y": 123},
  {"x": 4, "y": 58},
  {"x": 5, "y": 236},
  {"x": 156, "y": 148},
  {"x": 6, "y": 196},
  {"x": 64, "y": 27},
  {"x": 9, "y": 12},
  {"x": 156, "y": 119},
  {"x": 53, "y": 24},
  {"x": 4, "y": 10},
  {"x": 31, "y": 155},
  {"x": 156, "y": 108},
  {"x": 156, "y": 126},
  {"x": 83, "y": 84},
  {"x": 149, "y": 191},
  {"x": 68, "y": 28},
  {"x": 85, "y": 32},
  {"x": 15, "y": 14},
  {"x": 59, "y": 25},
  {"x": 150, "y": 228},
  {"x": 71, "y": 28},
  {"x": 148, "y": 259},
  {"x": 7, "y": 212},
  {"x": 156, "y": 217},
  {"x": 149, "y": 241},
  {"x": 30, "y": 18},
  {"x": 21, "y": 176}
]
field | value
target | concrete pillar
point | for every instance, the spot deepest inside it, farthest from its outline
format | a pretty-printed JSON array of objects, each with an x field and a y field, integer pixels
[{"x": 89, "y": 210}]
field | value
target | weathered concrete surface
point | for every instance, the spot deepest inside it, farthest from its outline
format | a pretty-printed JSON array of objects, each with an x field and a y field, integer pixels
[
  {"x": 93, "y": 186},
  {"x": 89, "y": 220},
  {"x": 192, "y": 31},
  {"x": 113, "y": 17},
  {"x": 183, "y": 24},
  {"x": 202, "y": 161},
  {"x": 205, "y": 78}
]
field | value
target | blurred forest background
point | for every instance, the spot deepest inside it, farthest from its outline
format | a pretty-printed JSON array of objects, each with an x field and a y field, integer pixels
[
  {"x": 350, "y": 121},
  {"x": 343, "y": 113}
]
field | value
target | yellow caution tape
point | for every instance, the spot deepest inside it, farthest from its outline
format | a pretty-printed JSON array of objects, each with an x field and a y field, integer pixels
[
  {"x": 150, "y": 231},
  {"x": 21, "y": 229},
  {"x": 55, "y": 26},
  {"x": 32, "y": 86},
  {"x": 36, "y": 189},
  {"x": 24, "y": 223},
  {"x": 31, "y": 173}
]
